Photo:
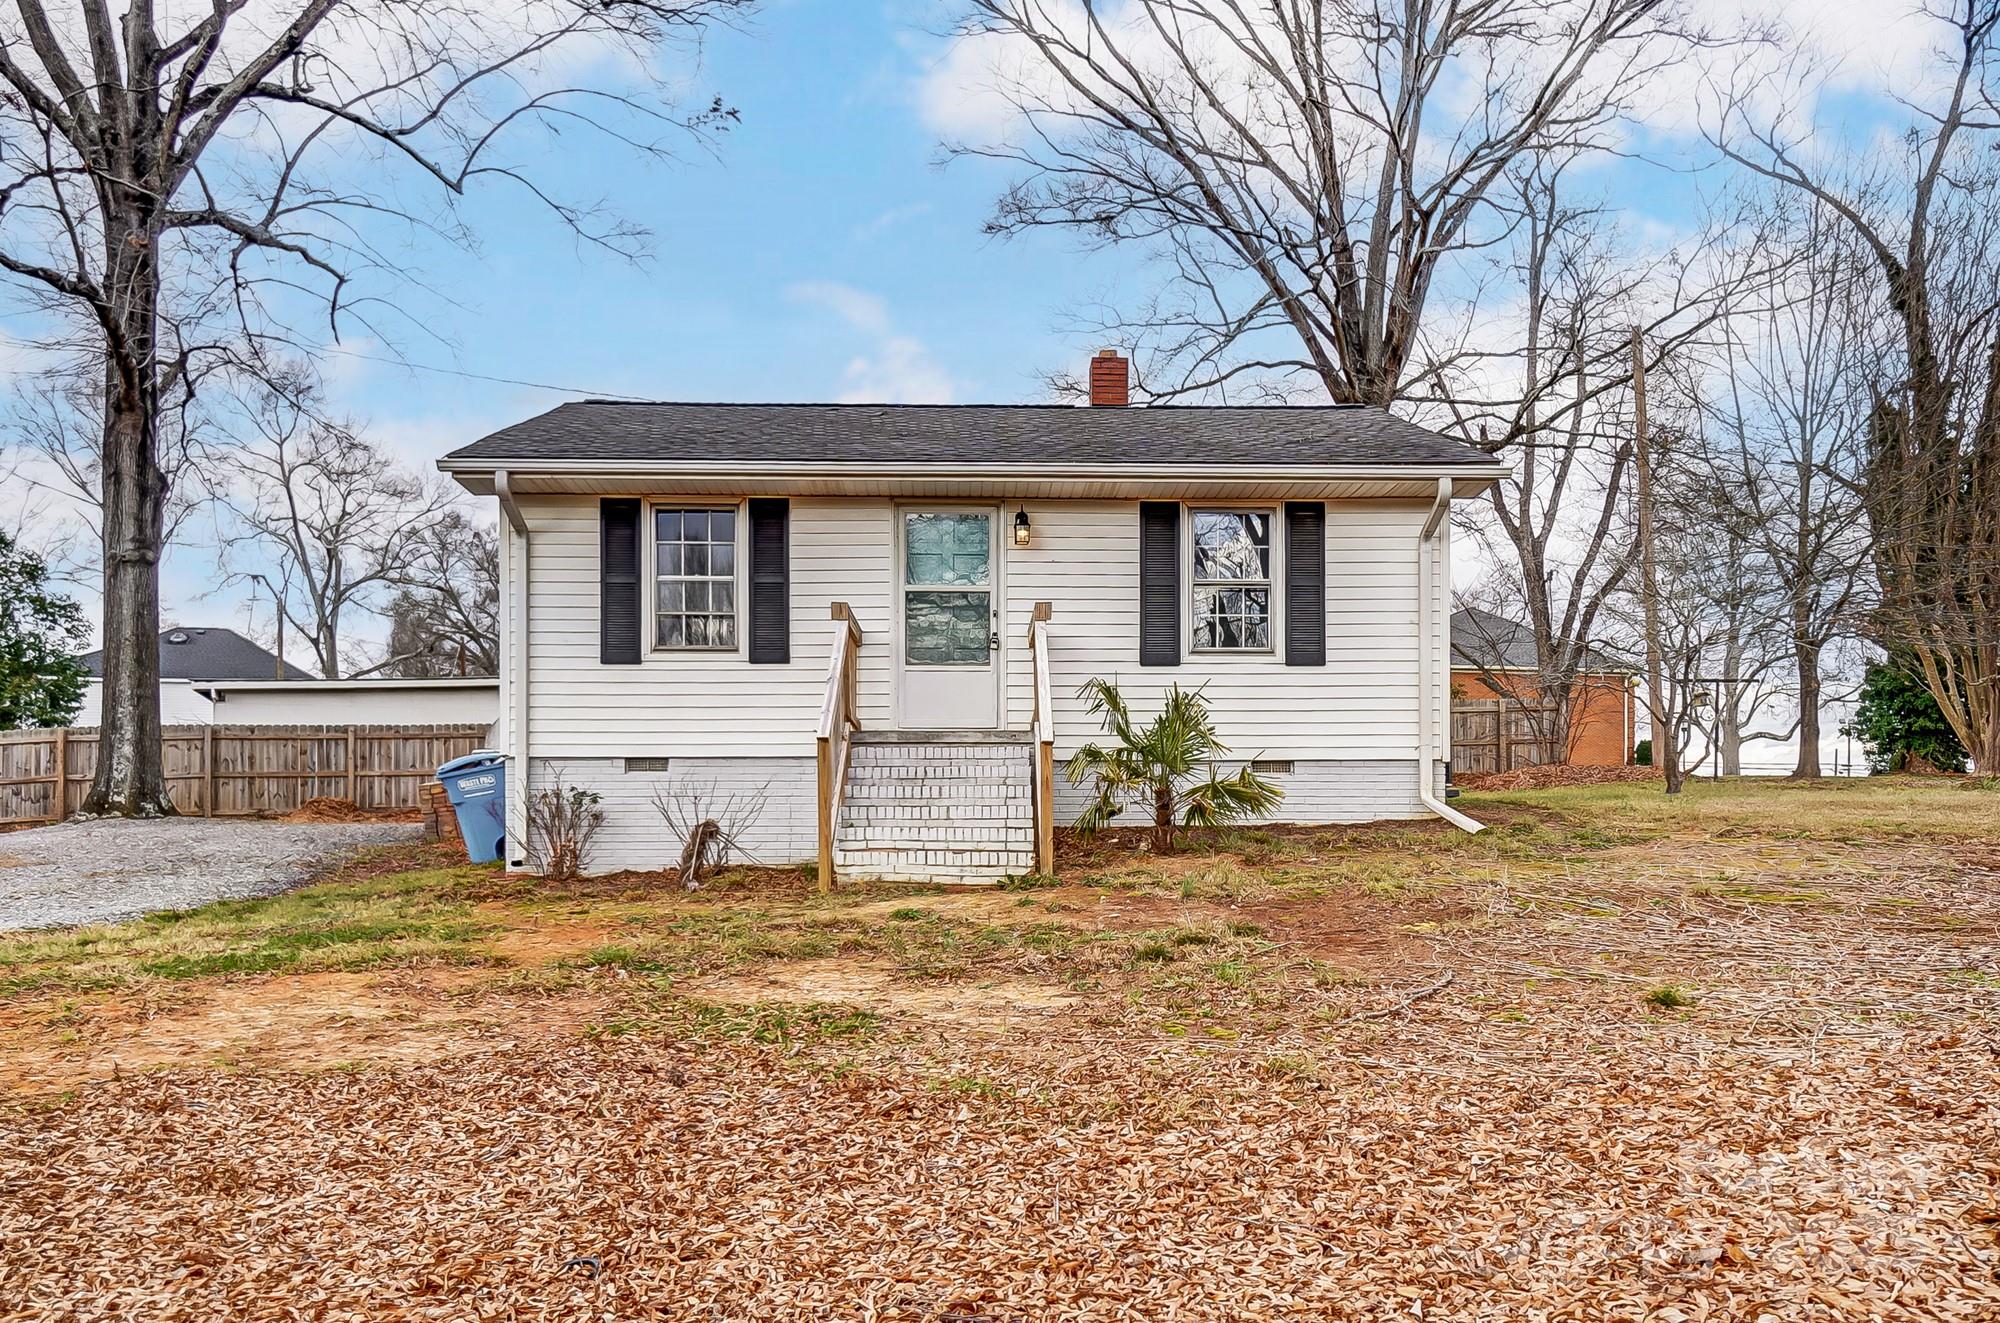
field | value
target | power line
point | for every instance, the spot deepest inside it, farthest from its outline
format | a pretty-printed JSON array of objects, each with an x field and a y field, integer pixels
[{"x": 483, "y": 376}]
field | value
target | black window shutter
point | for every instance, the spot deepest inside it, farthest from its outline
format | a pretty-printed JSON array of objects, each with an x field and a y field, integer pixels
[
  {"x": 770, "y": 582},
  {"x": 1159, "y": 583},
  {"x": 618, "y": 582},
  {"x": 1305, "y": 583}
]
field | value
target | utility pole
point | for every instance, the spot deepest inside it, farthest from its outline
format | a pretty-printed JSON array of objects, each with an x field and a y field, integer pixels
[{"x": 1666, "y": 752}]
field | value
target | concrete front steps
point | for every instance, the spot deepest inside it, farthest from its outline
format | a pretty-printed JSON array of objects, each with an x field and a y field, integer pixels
[{"x": 936, "y": 806}]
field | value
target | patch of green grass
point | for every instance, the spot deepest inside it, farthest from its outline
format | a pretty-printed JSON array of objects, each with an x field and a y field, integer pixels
[
  {"x": 405, "y": 918},
  {"x": 1152, "y": 953},
  {"x": 614, "y": 956},
  {"x": 1753, "y": 894},
  {"x": 1230, "y": 973},
  {"x": 911, "y": 914},
  {"x": 1669, "y": 997}
]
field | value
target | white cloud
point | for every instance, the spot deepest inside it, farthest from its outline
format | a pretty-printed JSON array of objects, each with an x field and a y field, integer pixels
[
  {"x": 894, "y": 216},
  {"x": 894, "y": 368},
  {"x": 861, "y": 310},
  {"x": 899, "y": 371}
]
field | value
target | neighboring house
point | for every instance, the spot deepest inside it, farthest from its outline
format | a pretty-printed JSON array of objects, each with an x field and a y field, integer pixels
[
  {"x": 190, "y": 655},
  {"x": 702, "y": 595},
  {"x": 214, "y": 676},
  {"x": 1493, "y": 659},
  {"x": 457, "y": 701}
]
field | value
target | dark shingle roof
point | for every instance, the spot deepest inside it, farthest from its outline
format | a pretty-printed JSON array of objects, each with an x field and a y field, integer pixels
[
  {"x": 1482, "y": 639},
  {"x": 971, "y": 434},
  {"x": 188, "y": 652}
]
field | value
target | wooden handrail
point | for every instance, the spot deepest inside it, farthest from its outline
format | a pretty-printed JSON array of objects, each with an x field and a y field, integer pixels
[
  {"x": 1045, "y": 741},
  {"x": 838, "y": 720}
]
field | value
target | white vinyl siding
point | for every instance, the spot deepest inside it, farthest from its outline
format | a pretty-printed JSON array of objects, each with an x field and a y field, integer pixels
[
  {"x": 1362, "y": 704},
  {"x": 693, "y": 703},
  {"x": 1083, "y": 559}
]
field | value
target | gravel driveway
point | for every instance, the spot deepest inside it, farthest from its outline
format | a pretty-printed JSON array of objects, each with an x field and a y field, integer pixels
[{"x": 116, "y": 868}]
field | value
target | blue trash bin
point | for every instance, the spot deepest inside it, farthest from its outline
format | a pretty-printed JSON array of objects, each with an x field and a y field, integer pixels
[{"x": 477, "y": 787}]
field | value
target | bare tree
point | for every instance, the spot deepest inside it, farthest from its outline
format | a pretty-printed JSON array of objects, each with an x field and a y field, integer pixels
[
  {"x": 445, "y": 621},
  {"x": 196, "y": 170},
  {"x": 1308, "y": 170},
  {"x": 337, "y": 522},
  {"x": 1775, "y": 470},
  {"x": 1315, "y": 174},
  {"x": 1929, "y": 220}
]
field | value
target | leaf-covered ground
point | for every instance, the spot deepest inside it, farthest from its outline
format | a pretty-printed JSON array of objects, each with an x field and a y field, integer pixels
[{"x": 1733, "y": 1057}]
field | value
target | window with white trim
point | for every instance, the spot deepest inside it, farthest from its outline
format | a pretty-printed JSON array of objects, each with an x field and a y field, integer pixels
[
  {"x": 1232, "y": 580},
  {"x": 694, "y": 571}
]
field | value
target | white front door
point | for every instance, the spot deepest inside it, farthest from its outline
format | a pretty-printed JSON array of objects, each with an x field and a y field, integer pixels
[{"x": 948, "y": 619}]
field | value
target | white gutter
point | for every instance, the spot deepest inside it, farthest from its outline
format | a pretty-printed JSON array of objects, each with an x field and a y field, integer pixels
[{"x": 1426, "y": 746}]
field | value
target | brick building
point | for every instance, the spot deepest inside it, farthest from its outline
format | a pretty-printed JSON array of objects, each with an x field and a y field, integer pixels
[{"x": 1493, "y": 667}]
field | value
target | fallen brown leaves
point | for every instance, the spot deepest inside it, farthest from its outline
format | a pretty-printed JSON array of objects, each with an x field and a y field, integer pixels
[
  {"x": 736, "y": 1184},
  {"x": 324, "y": 808},
  {"x": 1553, "y": 776},
  {"x": 1481, "y": 1119}
]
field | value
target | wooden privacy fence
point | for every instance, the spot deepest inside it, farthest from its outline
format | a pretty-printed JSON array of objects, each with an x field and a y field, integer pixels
[
  {"x": 237, "y": 771},
  {"x": 1495, "y": 735}
]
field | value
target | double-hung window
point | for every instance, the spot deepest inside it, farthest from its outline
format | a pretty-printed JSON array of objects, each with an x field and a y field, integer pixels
[
  {"x": 1232, "y": 580},
  {"x": 694, "y": 568}
]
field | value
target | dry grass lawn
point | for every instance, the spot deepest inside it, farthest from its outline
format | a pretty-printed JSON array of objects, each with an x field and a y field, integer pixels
[{"x": 1730, "y": 1057}]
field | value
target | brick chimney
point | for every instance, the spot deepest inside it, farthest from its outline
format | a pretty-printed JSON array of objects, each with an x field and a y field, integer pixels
[{"x": 1110, "y": 379}]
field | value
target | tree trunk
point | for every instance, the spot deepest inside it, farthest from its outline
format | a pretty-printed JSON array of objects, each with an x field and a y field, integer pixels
[
  {"x": 131, "y": 779},
  {"x": 1163, "y": 817},
  {"x": 1806, "y": 655}
]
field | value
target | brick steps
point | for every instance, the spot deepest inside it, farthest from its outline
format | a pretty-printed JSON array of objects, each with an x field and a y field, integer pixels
[{"x": 938, "y": 806}]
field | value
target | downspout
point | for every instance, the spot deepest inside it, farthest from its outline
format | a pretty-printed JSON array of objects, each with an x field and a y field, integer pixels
[
  {"x": 1426, "y": 665},
  {"x": 517, "y": 679}
]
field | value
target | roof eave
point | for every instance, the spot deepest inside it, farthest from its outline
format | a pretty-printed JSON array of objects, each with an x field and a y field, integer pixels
[{"x": 855, "y": 479}]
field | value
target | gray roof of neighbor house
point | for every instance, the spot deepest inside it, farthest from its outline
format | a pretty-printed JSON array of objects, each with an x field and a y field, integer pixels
[
  {"x": 189, "y": 652},
  {"x": 973, "y": 434},
  {"x": 1480, "y": 639}
]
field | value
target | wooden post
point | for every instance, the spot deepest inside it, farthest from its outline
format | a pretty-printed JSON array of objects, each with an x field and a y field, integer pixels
[
  {"x": 1045, "y": 814},
  {"x": 352, "y": 784},
  {"x": 62, "y": 773},
  {"x": 208, "y": 770},
  {"x": 1503, "y": 759},
  {"x": 826, "y": 810}
]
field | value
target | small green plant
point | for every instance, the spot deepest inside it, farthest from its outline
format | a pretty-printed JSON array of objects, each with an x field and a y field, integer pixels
[
  {"x": 1152, "y": 953},
  {"x": 909, "y": 914},
  {"x": 1163, "y": 764},
  {"x": 1669, "y": 998}
]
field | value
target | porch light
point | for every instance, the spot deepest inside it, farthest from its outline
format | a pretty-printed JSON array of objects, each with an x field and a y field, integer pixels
[{"x": 1021, "y": 529}]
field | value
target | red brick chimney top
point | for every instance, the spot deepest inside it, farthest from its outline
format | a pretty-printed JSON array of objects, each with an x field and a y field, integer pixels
[{"x": 1110, "y": 379}]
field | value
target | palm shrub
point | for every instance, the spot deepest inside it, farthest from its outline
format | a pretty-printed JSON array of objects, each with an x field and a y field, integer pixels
[{"x": 1169, "y": 762}]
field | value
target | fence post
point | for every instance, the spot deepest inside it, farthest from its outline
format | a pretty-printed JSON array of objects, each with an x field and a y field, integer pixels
[
  {"x": 351, "y": 782},
  {"x": 62, "y": 773},
  {"x": 1502, "y": 718},
  {"x": 208, "y": 770}
]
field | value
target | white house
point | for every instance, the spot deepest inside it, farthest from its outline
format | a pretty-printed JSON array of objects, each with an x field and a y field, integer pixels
[{"x": 879, "y": 616}]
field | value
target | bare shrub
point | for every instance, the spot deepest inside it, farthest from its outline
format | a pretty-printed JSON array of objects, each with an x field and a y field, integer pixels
[
  {"x": 563, "y": 821},
  {"x": 709, "y": 823}
]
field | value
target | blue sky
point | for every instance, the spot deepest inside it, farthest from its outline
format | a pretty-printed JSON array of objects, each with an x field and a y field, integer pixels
[{"x": 821, "y": 251}]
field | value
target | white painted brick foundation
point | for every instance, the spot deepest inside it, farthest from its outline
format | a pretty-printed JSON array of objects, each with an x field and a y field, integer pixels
[
  {"x": 929, "y": 809},
  {"x": 902, "y": 806}
]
